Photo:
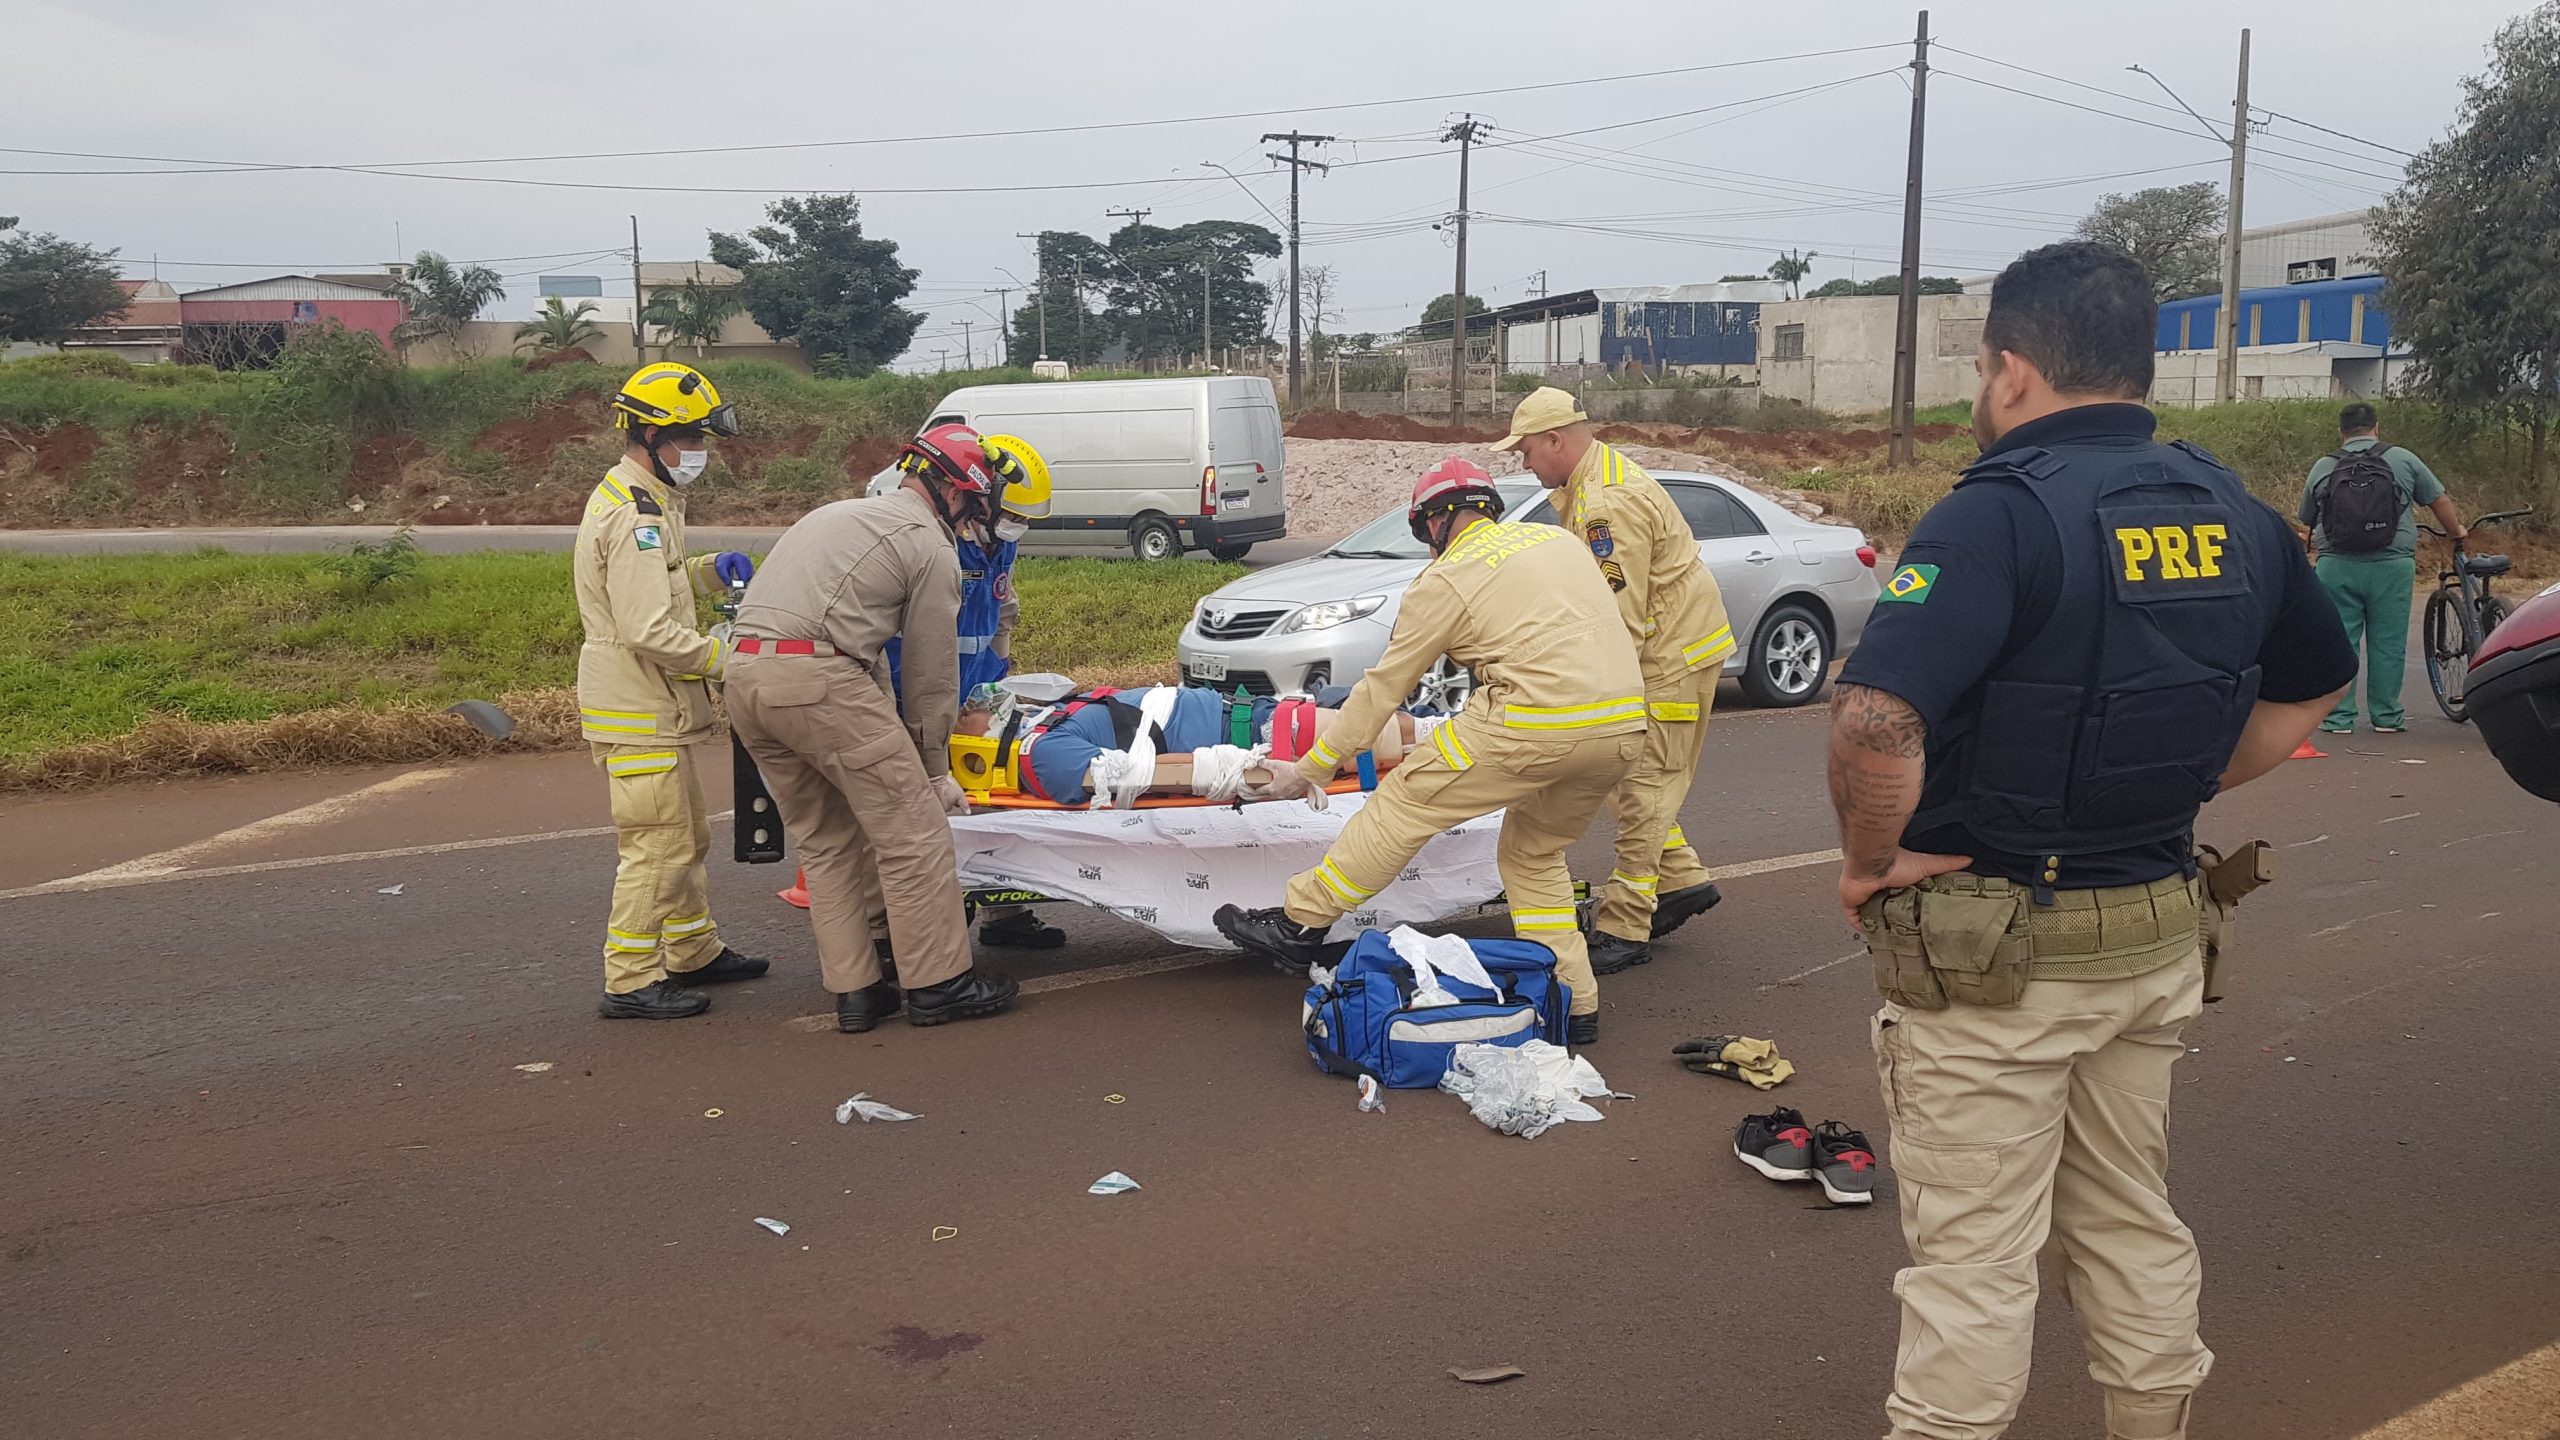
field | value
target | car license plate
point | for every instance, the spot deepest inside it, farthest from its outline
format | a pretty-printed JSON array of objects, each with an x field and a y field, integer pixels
[{"x": 1208, "y": 667}]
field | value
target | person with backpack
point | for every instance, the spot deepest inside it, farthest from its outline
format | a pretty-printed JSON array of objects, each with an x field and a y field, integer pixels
[{"x": 2358, "y": 502}]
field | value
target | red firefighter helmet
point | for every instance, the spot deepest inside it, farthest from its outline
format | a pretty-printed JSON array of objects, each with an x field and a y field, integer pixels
[
  {"x": 1451, "y": 485},
  {"x": 953, "y": 454}
]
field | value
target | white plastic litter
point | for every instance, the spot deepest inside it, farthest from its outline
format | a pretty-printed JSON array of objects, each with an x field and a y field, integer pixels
[
  {"x": 1372, "y": 1099},
  {"x": 1217, "y": 771},
  {"x": 776, "y": 1226},
  {"x": 1523, "y": 1090},
  {"x": 1111, "y": 1184},
  {"x": 869, "y": 1109},
  {"x": 391, "y": 889},
  {"x": 1432, "y": 956}
]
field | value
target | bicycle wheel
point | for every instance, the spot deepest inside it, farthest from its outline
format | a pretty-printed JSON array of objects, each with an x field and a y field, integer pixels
[
  {"x": 2448, "y": 644},
  {"x": 2494, "y": 611}
]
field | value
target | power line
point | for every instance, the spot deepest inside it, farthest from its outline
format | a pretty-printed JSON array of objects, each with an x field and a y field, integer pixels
[
  {"x": 2341, "y": 134},
  {"x": 2177, "y": 130}
]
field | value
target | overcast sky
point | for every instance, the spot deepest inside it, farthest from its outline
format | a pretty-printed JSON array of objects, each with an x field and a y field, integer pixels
[{"x": 1697, "y": 175}]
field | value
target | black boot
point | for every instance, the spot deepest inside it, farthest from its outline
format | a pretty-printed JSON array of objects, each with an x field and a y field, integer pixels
[
  {"x": 888, "y": 962},
  {"x": 726, "y": 966},
  {"x": 1021, "y": 930},
  {"x": 664, "y": 1000},
  {"x": 1271, "y": 934},
  {"x": 1582, "y": 1029},
  {"x": 1609, "y": 954},
  {"x": 970, "y": 995},
  {"x": 1676, "y": 909},
  {"x": 868, "y": 1006}
]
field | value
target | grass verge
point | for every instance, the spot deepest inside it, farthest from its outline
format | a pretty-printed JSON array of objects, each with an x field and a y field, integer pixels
[{"x": 114, "y": 667}]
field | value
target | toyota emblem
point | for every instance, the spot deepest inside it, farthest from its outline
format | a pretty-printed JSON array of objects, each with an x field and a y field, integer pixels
[{"x": 1218, "y": 617}]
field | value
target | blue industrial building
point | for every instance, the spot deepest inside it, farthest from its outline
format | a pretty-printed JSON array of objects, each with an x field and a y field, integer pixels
[{"x": 2347, "y": 311}]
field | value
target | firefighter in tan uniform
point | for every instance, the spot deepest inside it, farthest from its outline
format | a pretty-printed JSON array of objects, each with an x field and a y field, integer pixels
[
  {"x": 644, "y": 695},
  {"x": 1556, "y": 722},
  {"x": 1671, "y": 604},
  {"x": 864, "y": 794}
]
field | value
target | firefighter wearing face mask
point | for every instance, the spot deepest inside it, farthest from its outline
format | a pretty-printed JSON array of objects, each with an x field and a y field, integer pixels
[{"x": 644, "y": 694}]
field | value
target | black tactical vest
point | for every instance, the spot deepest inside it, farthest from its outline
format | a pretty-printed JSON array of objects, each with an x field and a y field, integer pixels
[{"x": 2112, "y": 726}]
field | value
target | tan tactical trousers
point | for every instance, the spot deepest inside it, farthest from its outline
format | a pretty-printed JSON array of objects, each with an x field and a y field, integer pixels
[
  {"x": 661, "y": 916},
  {"x": 1549, "y": 790},
  {"x": 1654, "y": 857},
  {"x": 2043, "y": 1127},
  {"x": 854, "y": 800}
]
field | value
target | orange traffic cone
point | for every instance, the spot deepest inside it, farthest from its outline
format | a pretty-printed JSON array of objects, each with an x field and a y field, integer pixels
[
  {"x": 2306, "y": 751},
  {"x": 798, "y": 894}
]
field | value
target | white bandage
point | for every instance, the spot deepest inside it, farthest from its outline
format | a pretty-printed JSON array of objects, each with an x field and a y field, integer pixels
[
  {"x": 1119, "y": 777},
  {"x": 1218, "y": 771}
]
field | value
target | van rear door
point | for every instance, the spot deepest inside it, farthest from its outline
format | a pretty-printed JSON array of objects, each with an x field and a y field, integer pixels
[{"x": 1246, "y": 447}]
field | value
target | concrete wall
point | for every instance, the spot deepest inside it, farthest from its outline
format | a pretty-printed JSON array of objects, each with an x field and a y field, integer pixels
[
  {"x": 2185, "y": 379},
  {"x": 1847, "y": 363}
]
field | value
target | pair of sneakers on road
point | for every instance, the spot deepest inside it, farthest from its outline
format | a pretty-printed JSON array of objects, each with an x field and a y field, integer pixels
[{"x": 1781, "y": 1146}]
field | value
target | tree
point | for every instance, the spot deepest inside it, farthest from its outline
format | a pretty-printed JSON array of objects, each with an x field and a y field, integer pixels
[
  {"x": 1317, "y": 290},
  {"x": 1790, "y": 268},
  {"x": 1150, "y": 281},
  {"x": 50, "y": 286},
  {"x": 2471, "y": 242},
  {"x": 1886, "y": 285},
  {"x": 813, "y": 278},
  {"x": 694, "y": 313},
  {"x": 557, "y": 327},
  {"x": 443, "y": 297},
  {"x": 1441, "y": 306},
  {"x": 2175, "y": 231}
]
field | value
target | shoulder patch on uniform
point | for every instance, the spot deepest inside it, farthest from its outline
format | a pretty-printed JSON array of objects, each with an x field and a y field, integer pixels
[
  {"x": 646, "y": 504},
  {"x": 1910, "y": 585},
  {"x": 649, "y": 537},
  {"x": 1602, "y": 544},
  {"x": 1617, "y": 577}
]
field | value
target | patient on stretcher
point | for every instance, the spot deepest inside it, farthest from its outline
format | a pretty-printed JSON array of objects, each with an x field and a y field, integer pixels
[{"x": 1160, "y": 740}]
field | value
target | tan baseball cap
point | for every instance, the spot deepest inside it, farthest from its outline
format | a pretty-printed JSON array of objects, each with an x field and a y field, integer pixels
[{"x": 1547, "y": 408}]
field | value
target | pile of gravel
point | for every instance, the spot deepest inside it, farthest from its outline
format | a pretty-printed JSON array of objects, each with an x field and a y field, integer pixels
[{"x": 1336, "y": 486}]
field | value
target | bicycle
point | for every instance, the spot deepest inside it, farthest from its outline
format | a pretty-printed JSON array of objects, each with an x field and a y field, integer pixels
[{"x": 2460, "y": 615}]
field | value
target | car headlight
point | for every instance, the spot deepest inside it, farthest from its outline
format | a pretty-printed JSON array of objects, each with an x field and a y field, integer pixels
[{"x": 1329, "y": 614}]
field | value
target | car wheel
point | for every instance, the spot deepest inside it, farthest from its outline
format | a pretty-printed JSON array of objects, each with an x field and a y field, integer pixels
[
  {"x": 1154, "y": 538},
  {"x": 1789, "y": 659},
  {"x": 1230, "y": 552},
  {"x": 1445, "y": 686}
]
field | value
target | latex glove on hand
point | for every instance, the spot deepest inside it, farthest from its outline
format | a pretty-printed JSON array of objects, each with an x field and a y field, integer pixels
[
  {"x": 954, "y": 800},
  {"x": 733, "y": 567}
]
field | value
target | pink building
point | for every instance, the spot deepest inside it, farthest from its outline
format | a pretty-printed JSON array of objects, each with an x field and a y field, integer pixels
[{"x": 245, "y": 325}]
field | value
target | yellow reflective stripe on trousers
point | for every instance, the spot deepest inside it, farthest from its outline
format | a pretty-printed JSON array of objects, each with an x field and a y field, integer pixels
[
  {"x": 628, "y": 943},
  {"x": 1674, "y": 710},
  {"x": 1526, "y": 920},
  {"x": 1675, "y": 839},
  {"x": 1641, "y": 884},
  {"x": 689, "y": 925},
  {"x": 655, "y": 762},
  {"x": 1710, "y": 647},
  {"x": 1572, "y": 717},
  {"x": 1334, "y": 880},
  {"x": 1453, "y": 751},
  {"x": 621, "y": 722}
]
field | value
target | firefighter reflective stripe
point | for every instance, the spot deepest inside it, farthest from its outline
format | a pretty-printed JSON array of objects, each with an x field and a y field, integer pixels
[
  {"x": 1334, "y": 880},
  {"x": 1674, "y": 709},
  {"x": 1641, "y": 884},
  {"x": 627, "y": 943},
  {"x": 625, "y": 767},
  {"x": 1533, "y": 919},
  {"x": 1713, "y": 646},
  {"x": 689, "y": 925},
  {"x": 1453, "y": 751},
  {"x": 1323, "y": 753},
  {"x": 1572, "y": 717},
  {"x": 614, "y": 491},
  {"x": 620, "y": 722},
  {"x": 1613, "y": 467},
  {"x": 1675, "y": 839}
]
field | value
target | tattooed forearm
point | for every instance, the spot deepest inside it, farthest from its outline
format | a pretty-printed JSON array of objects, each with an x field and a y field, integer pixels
[
  {"x": 1876, "y": 720},
  {"x": 1877, "y": 747}
]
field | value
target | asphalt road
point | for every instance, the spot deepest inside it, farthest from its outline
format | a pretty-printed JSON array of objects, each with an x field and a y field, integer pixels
[
  {"x": 436, "y": 539},
  {"x": 279, "y": 1164}
]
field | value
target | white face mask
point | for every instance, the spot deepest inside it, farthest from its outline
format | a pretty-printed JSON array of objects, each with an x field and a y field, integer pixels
[
  {"x": 689, "y": 466},
  {"x": 1010, "y": 531}
]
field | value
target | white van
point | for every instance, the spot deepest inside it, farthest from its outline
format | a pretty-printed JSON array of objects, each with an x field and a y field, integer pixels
[{"x": 1151, "y": 467}]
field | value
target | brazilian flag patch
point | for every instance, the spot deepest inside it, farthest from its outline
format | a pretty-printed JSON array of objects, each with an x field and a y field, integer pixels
[{"x": 1911, "y": 585}]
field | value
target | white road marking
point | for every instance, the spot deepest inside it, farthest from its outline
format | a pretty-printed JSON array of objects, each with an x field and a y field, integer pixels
[
  {"x": 1775, "y": 863},
  {"x": 2396, "y": 819},
  {"x": 2513, "y": 1402},
  {"x": 318, "y": 812},
  {"x": 2467, "y": 839},
  {"x": 1816, "y": 970},
  {"x": 2350, "y": 925}
]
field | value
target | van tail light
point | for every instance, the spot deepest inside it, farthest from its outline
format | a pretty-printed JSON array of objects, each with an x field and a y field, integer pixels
[
  {"x": 1867, "y": 556},
  {"x": 1208, "y": 489}
]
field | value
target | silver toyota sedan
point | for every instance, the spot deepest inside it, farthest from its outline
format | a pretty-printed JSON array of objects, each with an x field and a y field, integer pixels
[{"x": 1798, "y": 589}]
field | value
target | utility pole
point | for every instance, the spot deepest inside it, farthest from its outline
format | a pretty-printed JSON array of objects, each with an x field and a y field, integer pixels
[
  {"x": 1906, "y": 322},
  {"x": 1138, "y": 218},
  {"x": 1079, "y": 307},
  {"x": 2226, "y": 365},
  {"x": 639, "y": 351},
  {"x": 968, "y": 357},
  {"x": 1296, "y": 166},
  {"x": 1040, "y": 253},
  {"x": 941, "y": 358},
  {"x": 1004, "y": 320},
  {"x": 1208, "y": 359},
  {"x": 1465, "y": 133}
]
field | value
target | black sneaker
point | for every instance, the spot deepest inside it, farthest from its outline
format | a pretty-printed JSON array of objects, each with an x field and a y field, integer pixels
[
  {"x": 1271, "y": 934},
  {"x": 1021, "y": 930},
  {"x": 662, "y": 1000},
  {"x": 1776, "y": 1144},
  {"x": 1678, "y": 908},
  {"x": 860, "y": 1010},
  {"x": 726, "y": 966},
  {"x": 1582, "y": 1029},
  {"x": 1844, "y": 1164},
  {"x": 971, "y": 995},
  {"x": 1609, "y": 954}
]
